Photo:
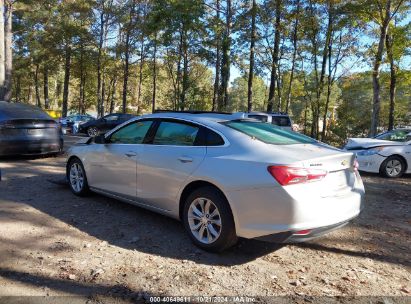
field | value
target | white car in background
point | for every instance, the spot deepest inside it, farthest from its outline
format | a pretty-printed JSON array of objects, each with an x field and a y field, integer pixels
[
  {"x": 280, "y": 119},
  {"x": 388, "y": 153}
]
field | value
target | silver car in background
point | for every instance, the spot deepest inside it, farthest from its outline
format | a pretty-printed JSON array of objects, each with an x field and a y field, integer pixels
[{"x": 221, "y": 176}]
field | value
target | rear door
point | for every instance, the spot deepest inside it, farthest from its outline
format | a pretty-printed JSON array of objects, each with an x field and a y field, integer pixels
[{"x": 166, "y": 163}]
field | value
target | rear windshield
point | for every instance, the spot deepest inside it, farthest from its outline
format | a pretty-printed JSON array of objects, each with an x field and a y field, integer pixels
[
  {"x": 282, "y": 121},
  {"x": 268, "y": 133},
  {"x": 21, "y": 111}
]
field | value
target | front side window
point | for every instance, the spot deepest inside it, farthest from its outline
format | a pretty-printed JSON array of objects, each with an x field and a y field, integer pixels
[
  {"x": 175, "y": 134},
  {"x": 268, "y": 133},
  {"x": 133, "y": 133}
]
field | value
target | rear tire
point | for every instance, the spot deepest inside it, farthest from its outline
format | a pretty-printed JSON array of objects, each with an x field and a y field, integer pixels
[
  {"x": 393, "y": 167},
  {"x": 208, "y": 220},
  {"x": 77, "y": 179}
]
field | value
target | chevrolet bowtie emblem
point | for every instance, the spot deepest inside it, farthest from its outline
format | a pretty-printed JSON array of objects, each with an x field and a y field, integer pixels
[{"x": 344, "y": 163}]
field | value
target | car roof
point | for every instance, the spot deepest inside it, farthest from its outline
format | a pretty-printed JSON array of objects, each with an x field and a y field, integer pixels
[{"x": 203, "y": 117}]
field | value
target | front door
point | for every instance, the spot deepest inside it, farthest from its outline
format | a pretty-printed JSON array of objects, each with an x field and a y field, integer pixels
[{"x": 115, "y": 164}]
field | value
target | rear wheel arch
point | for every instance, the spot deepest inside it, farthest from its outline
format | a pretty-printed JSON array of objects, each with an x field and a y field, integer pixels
[{"x": 189, "y": 188}]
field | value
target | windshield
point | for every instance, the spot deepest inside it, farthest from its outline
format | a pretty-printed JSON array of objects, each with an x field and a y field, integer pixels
[
  {"x": 268, "y": 133},
  {"x": 395, "y": 135}
]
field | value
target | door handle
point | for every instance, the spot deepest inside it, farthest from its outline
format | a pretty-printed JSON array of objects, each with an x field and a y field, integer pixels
[
  {"x": 130, "y": 154},
  {"x": 185, "y": 159}
]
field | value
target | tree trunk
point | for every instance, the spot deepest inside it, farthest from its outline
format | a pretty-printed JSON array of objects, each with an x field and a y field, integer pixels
[
  {"x": 329, "y": 84},
  {"x": 251, "y": 71},
  {"x": 100, "y": 111},
  {"x": 178, "y": 77},
  {"x": 393, "y": 79},
  {"x": 376, "y": 100},
  {"x": 295, "y": 39},
  {"x": 18, "y": 88},
  {"x": 125, "y": 77},
  {"x": 320, "y": 86},
  {"x": 273, "y": 80},
  {"x": 185, "y": 74},
  {"x": 127, "y": 55},
  {"x": 2, "y": 53},
  {"x": 67, "y": 67},
  {"x": 82, "y": 80},
  {"x": 140, "y": 74},
  {"x": 8, "y": 50},
  {"x": 279, "y": 88},
  {"x": 36, "y": 85},
  {"x": 154, "y": 74},
  {"x": 225, "y": 60},
  {"x": 218, "y": 60},
  {"x": 113, "y": 95},
  {"x": 46, "y": 87}
]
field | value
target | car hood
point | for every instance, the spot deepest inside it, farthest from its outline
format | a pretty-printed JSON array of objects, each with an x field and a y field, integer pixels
[{"x": 366, "y": 143}]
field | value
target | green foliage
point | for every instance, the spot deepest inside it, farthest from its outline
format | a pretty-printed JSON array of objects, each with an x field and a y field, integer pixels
[{"x": 178, "y": 39}]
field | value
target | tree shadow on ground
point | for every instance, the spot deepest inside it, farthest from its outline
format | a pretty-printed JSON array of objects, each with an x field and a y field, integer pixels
[{"x": 80, "y": 292}]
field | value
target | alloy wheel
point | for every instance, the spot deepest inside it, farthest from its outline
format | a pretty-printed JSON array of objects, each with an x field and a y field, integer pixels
[
  {"x": 76, "y": 177},
  {"x": 204, "y": 220},
  {"x": 92, "y": 131},
  {"x": 393, "y": 167}
]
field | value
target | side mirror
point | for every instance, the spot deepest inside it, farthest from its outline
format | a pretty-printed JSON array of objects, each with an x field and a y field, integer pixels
[{"x": 100, "y": 139}]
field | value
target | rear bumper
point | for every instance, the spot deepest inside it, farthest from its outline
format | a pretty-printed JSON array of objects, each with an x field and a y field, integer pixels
[
  {"x": 294, "y": 237},
  {"x": 30, "y": 146},
  {"x": 277, "y": 212}
]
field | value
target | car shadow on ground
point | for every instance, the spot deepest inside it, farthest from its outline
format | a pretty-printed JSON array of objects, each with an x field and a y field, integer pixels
[
  {"x": 134, "y": 228},
  {"x": 125, "y": 225}
]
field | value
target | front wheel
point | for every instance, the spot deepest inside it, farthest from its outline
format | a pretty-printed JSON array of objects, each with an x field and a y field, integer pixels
[
  {"x": 208, "y": 220},
  {"x": 93, "y": 131},
  {"x": 77, "y": 178},
  {"x": 393, "y": 167}
]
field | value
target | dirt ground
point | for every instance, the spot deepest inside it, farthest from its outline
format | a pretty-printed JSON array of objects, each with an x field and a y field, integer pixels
[{"x": 53, "y": 243}]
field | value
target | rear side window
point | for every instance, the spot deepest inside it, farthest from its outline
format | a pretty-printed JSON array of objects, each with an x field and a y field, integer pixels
[
  {"x": 133, "y": 133},
  {"x": 175, "y": 134},
  {"x": 282, "y": 121},
  {"x": 213, "y": 139},
  {"x": 268, "y": 133}
]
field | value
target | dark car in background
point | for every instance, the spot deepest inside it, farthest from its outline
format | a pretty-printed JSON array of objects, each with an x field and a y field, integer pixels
[
  {"x": 103, "y": 124},
  {"x": 26, "y": 129},
  {"x": 71, "y": 123}
]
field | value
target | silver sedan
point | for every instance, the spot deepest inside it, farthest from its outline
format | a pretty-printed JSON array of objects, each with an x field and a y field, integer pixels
[{"x": 223, "y": 177}]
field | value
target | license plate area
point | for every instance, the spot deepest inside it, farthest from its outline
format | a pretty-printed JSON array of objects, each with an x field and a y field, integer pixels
[
  {"x": 337, "y": 182},
  {"x": 33, "y": 131}
]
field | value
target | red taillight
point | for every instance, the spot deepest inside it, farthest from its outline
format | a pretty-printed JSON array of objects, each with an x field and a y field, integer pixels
[
  {"x": 302, "y": 232},
  {"x": 292, "y": 175}
]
